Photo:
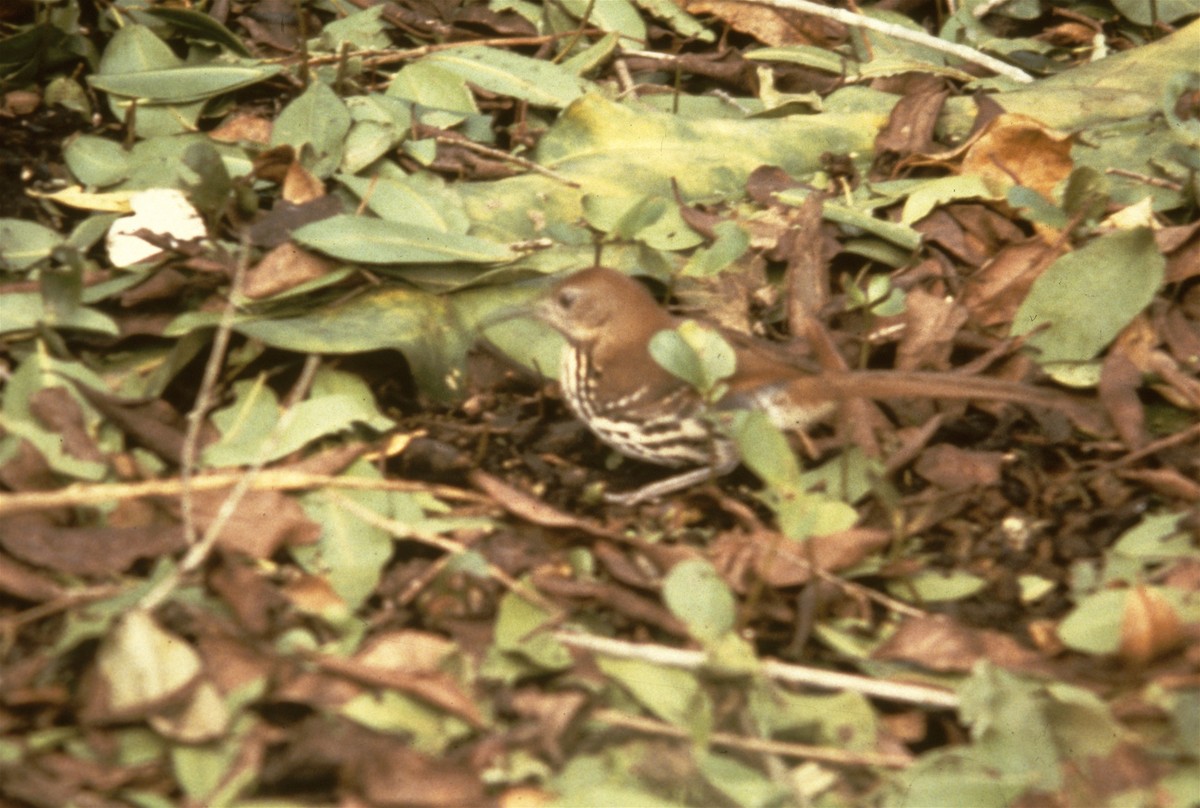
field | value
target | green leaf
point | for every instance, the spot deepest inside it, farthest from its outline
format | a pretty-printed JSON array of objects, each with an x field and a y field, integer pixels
[
  {"x": 337, "y": 402},
  {"x": 932, "y": 586},
  {"x": 184, "y": 84},
  {"x": 616, "y": 16},
  {"x": 135, "y": 49},
  {"x": 315, "y": 124},
  {"x": 375, "y": 241},
  {"x": 364, "y": 30},
  {"x": 430, "y": 730},
  {"x": 695, "y": 353},
  {"x": 744, "y": 785},
  {"x": 23, "y": 244},
  {"x": 522, "y": 628},
  {"x": 678, "y": 19},
  {"x": 731, "y": 244},
  {"x": 672, "y": 694},
  {"x": 96, "y": 161},
  {"x": 419, "y": 324},
  {"x": 350, "y": 554},
  {"x": 937, "y": 192},
  {"x": 23, "y": 311},
  {"x": 537, "y": 81},
  {"x": 433, "y": 86},
  {"x": 695, "y": 593},
  {"x": 419, "y": 200},
  {"x": 199, "y": 26},
  {"x": 1087, "y": 296},
  {"x": 1094, "y": 625}
]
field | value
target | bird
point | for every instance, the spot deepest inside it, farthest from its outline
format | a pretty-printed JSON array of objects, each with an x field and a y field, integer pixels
[{"x": 611, "y": 382}]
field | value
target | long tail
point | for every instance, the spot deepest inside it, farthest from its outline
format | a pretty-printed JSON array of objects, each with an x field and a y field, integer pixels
[{"x": 894, "y": 384}]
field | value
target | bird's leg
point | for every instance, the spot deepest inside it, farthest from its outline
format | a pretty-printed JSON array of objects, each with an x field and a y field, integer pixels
[{"x": 670, "y": 485}]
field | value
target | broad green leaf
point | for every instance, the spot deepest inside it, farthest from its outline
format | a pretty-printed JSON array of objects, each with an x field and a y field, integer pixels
[
  {"x": 956, "y": 776},
  {"x": 23, "y": 311},
  {"x": 379, "y": 124},
  {"x": 696, "y": 594},
  {"x": 96, "y": 161},
  {"x": 672, "y": 694},
  {"x": 199, "y": 26},
  {"x": 1155, "y": 12},
  {"x": 183, "y": 84},
  {"x": 420, "y": 325},
  {"x": 745, "y": 785},
  {"x": 522, "y": 628},
  {"x": 1156, "y": 538},
  {"x": 731, "y": 244},
  {"x": 807, "y": 55},
  {"x": 932, "y": 586},
  {"x": 678, "y": 19},
  {"x": 23, "y": 244},
  {"x": 421, "y": 200},
  {"x": 537, "y": 81},
  {"x": 653, "y": 220},
  {"x": 364, "y": 30},
  {"x": 428, "y": 729},
  {"x": 315, "y": 124},
  {"x": 350, "y": 553},
  {"x": 695, "y": 353},
  {"x": 433, "y": 86},
  {"x": 161, "y": 162},
  {"x": 1086, "y": 297},
  {"x": 1094, "y": 625},
  {"x": 936, "y": 192},
  {"x": 375, "y": 241},
  {"x": 337, "y": 402},
  {"x": 616, "y": 16},
  {"x": 611, "y": 147},
  {"x": 1121, "y": 87},
  {"x": 135, "y": 49}
]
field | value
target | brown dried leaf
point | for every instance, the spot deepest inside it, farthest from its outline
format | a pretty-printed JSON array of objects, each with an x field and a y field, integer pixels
[
  {"x": 768, "y": 25},
  {"x": 243, "y": 127},
  {"x": 940, "y": 643},
  {"x": 91, "y": 551},
  {"x": 1150, "y": 627},
  {"x": 283, "y": 268},
  {"x": 59, "y": 412},
  {"x": 1118, "y": 390},
  {"x": 300, "y": 185},
  {"x": 1016, "y": 150},
  {"x": 996, "y": 291},
  {"x": 778, "y": 561},
  {"x": 955, "y": 469},
  {"x": 911, "y": 125},
  {"x": 931, "y": 322},
  {"x": 264, "y": 522},
  {"x": 22, "y": 582}
]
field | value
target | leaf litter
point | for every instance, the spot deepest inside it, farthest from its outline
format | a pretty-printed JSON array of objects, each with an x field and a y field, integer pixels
[{"x": 385, "y": 574}]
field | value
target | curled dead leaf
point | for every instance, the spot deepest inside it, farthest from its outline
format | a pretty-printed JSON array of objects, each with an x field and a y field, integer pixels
[
  {"x": 1150, "y": 626},
  {"x": 1016, "y": 150}
]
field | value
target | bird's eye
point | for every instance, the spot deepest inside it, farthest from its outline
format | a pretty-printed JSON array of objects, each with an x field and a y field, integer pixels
[{"x": 566, "y": 298}]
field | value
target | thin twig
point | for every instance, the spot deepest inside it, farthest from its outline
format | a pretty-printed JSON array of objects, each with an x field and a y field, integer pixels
[
  {"x": 375, "y": 57},
  {"x": 907, "y": 34},
  {"x": 824, "y": 754},
  {"x": 199, "y": 552},
  {"x": 795, "y": 674},
  {"x": 84, "y": 494},
  {"x": 1156, "y": 182},
  {"x": 471, "y": 145},
  {"x": 400, "y": 530}
]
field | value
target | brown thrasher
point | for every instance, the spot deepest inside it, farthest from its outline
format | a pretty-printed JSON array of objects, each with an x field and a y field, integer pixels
[{"x": 611, "y": 382}]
